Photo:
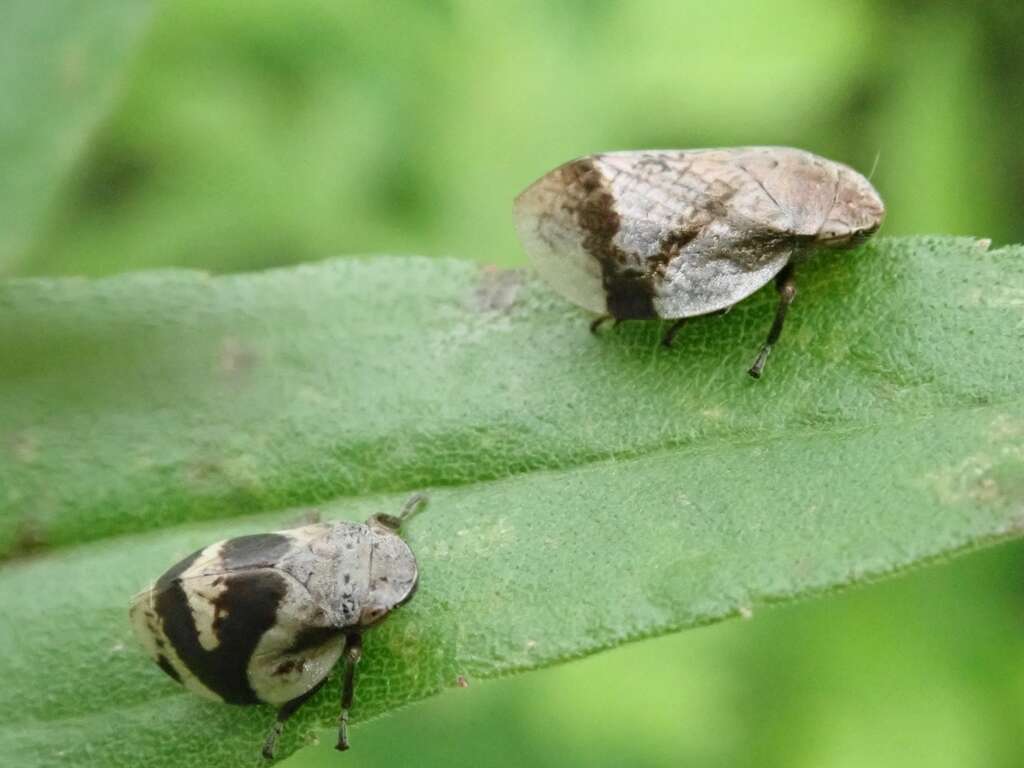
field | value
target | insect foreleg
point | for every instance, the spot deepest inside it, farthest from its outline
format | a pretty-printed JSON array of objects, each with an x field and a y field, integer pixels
[
  {"x": 353, "y": 652},
  {"x": 786, "y": 287},
  {"x": 286, "y": 711}
]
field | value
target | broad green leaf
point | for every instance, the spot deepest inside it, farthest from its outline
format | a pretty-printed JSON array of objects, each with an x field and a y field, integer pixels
[
  {"x": 60, "y": 64},
  {"x": 585, "y": 490}
]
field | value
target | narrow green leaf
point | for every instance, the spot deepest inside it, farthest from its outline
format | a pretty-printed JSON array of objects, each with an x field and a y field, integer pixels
[
  {"x": 158, "y": 398},
  {"x": 585, "y": 491},
  {"x": 60, "y": 64}
]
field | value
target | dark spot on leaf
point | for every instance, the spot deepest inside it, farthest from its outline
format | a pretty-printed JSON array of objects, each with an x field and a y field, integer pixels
[
  {"x": 236, "y": 358},
  {"x": 497, "y": 289},
  {"x": 29, "y": 537},
  {"x": 204, "y": 470},
  {"x": 24, "y": 446}
]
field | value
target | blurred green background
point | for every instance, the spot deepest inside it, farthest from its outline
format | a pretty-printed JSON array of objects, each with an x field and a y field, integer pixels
[{"x": 254, "y": 134}]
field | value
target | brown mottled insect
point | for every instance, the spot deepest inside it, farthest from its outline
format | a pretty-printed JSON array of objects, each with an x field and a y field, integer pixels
[
  {"x": 677, "y": 233},
  {"x": 264, "y": 618}
]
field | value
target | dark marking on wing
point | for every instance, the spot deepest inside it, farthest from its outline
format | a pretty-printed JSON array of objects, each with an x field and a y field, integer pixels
[
  {"x": 312, "y": 637},
  {"x": 165, "y": 664},
  {"x": 654, "y": 161},
  {"x": 176, "y": 570},
  {"x": 258, "y": 550},
  {"x": 247, "y": 608},
  {"x": 671, "y": 245},
  {"x": 630, "y": 293},
  {"x": 286, "y": 667},
  {"x": 760, "y": 183}
]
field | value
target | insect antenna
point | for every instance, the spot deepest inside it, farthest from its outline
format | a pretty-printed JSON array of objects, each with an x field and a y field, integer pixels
[
  {"x": 412, "y": 505},
  {"x": 874, "y": 165}
]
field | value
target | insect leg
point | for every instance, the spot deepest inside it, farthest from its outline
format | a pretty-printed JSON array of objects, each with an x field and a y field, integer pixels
[
  {"x": 287, "y": 709},
  {"x": 786, "y": 287},
  {"x": 670, "y": 334},
  {"x": 594, "y": 326},
  {"x": 353, "y": 651},
  {"x": 412, "y": 505}
]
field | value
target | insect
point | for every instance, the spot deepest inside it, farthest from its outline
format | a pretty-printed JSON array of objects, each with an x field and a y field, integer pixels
[
  {"x": 677, "y": 233},
  {"x": 264, "y": 618}
]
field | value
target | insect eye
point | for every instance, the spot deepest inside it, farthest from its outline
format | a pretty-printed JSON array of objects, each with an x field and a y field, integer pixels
[{"x": 862, "y": 235}]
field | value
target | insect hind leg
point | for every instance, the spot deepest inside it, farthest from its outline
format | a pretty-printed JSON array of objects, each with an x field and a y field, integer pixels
[
  {"x": 670, "y": 334},
  {"x": 412, "y": 505},
  {"x": 287, "y": 709},
  {"x": 595, "y": 326}
]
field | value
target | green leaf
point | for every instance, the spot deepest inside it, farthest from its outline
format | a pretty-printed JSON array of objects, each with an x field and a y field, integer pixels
[
  {"x": 586, "y": 491},
  {"x": 60, "y": 64}
]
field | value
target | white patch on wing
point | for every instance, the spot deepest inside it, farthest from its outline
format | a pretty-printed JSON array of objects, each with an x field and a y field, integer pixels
[
  {"x": 699, "y": 287},
  {"x": 305, "y": 534},
  {"x": 278, "y": 675},
  {"x": 552, "y": 238},
  {"x": 203, "y": 592},
  {"x": 145, "y": 623},
  {"x": 149, "y": 630},
  {"x": 209, "y": 561}
]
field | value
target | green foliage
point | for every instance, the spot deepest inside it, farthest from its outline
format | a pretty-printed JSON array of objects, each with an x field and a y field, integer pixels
[
  {"x": 585, "y": 491},
  {"x": 890, "y": 675},
  {"x": 60, "y": 63},
  {"x": 260, "y": 134}
]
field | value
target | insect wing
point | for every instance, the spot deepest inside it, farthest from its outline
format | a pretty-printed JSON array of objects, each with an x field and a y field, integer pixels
[
  {"x": 233, "y": 622},
  {"x": 664, "y": 233}
]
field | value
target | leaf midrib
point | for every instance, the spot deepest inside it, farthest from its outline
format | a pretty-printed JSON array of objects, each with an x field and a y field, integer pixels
[{"x": 687, "y": 446}]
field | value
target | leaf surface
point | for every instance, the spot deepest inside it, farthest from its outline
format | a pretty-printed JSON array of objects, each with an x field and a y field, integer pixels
[{"x": 585, "y": 491}]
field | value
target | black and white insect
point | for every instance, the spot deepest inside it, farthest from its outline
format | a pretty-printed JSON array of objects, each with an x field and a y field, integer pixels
[
  {"x": 673, "y": 234},
  {"x": 264, "y": 618}
]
